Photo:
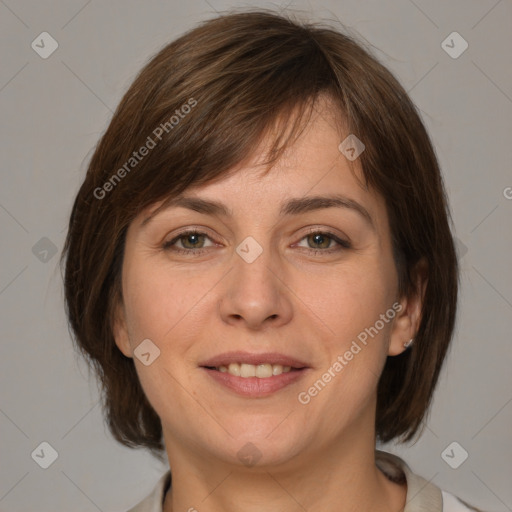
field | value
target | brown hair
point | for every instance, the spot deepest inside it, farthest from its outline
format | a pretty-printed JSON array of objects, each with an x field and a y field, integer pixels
[{"x": 238, "y": 74}]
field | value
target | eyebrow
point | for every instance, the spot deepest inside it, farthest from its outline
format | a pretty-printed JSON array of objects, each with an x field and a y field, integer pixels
[{"x": 294, "y": 206}]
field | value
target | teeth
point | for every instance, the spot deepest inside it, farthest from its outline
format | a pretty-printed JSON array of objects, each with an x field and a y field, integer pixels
[
  {"x": 234, "y": 369},
  {"x": 262, "y": 371},
  {"x": 247, "y": 370},
  {"x": 277, "y": 369}
]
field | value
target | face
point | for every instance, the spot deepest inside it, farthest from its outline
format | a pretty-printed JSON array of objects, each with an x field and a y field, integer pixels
[{"x": 298, "y": 295}]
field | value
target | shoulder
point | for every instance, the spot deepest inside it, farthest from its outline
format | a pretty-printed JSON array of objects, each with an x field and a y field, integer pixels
[
  {"x": 153, "y": 502},
  {"x": 453, "y": 504},
  {"x": 422, "y": 496}
]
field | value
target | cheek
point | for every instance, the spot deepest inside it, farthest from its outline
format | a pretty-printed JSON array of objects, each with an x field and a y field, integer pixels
[
  {"x": 349, "y": 299},
  {"x": 160, "y": 302},
  {"x": 165, "y": 307},
  {"x": 350, "y": 302}
]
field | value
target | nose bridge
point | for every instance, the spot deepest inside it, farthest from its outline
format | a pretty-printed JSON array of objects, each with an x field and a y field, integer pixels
[
  {"x": 252, "y": 276},
  {"x": 254, "y": 292}
]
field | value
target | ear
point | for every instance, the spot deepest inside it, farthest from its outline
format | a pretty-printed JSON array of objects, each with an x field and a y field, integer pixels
[
  {"x": 120, "y": 331},
  {"x": 408, "y": 319}
]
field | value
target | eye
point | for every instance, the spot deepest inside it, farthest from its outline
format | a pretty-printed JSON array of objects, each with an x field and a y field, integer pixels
[
  {"x": 191, "y": 241},
  {"x": 323, "y": 241}
]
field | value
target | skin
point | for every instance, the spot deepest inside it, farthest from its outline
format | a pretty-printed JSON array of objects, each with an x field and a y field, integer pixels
[{"x": 315, "y": 457}]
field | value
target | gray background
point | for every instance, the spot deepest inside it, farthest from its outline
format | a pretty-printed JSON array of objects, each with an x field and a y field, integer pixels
[{"x": 54, "y": 110}]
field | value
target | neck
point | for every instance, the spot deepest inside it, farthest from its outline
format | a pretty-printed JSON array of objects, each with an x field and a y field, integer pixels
[{"x": 339, "y": 478}]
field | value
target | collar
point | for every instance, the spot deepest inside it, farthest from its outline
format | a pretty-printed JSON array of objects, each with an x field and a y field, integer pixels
[{"x": 422, "y": 496}]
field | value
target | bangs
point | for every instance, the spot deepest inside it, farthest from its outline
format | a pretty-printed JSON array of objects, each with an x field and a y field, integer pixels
[
  {"x": 234, "y": 111},
  {"x": 277, "y": 134}
]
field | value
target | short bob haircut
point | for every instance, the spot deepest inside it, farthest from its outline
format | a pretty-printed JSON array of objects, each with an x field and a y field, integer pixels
[{"x": 199, "y": 108}]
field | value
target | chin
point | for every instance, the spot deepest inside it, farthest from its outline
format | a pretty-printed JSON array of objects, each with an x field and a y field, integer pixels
[{"x": 261, "y": 442}]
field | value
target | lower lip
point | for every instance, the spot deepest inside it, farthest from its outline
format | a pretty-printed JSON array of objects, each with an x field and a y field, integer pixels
[{"x": 254, "y": 386}]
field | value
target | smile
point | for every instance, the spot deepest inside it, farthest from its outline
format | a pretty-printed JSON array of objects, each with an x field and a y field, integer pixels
[
  {"x": 254, "y": 375},
  {"x": 261, "y": 371}
]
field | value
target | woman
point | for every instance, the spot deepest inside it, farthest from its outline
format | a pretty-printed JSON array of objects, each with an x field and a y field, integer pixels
[{"x": 260, "y": 267}]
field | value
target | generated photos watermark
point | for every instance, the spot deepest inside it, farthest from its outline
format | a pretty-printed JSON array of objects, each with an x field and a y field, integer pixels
[
  {"x": 337, "y": 366},
  {"x": 151, "y": 142}
]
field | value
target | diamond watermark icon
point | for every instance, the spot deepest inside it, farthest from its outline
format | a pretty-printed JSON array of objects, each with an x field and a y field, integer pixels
[
  {"x": 454, "y": 455},
  {"x": 249, "y": 249},
  {"x": 454, "y": 45},
  {"x": 44, "y": 249},
  {"x": 249, "y": 454},
  {"x": 351, "y": 147},
  {"x": 146, "y": 352},
  {"x": 44, "y": 45},
  {"x": 44, "y": 455},
  {"x": 460, "y": 248}
]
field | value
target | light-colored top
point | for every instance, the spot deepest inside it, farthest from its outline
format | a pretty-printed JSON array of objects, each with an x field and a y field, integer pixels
[{"x": 422, "y": 496}]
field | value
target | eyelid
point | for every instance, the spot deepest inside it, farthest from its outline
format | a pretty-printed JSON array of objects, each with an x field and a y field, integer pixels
[
  {"x": 203, "y": 230},
  {"x": 343, "y": 242},
  {"x": 340, "y": 243},
  {"x": 199, "y": 230},
  {"x": 330, "y": 232}
]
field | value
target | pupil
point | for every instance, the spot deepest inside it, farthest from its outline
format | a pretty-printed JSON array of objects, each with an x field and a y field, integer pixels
[
  {"x": 192, "y": 239},
  {"x": 318, "y": 239}
]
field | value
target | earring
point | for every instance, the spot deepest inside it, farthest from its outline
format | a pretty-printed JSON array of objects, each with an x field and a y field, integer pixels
[{"x": 407, "y": 344}]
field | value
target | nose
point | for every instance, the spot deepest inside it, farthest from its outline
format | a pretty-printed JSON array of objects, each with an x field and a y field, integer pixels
[{"x": 255, "y": 294}]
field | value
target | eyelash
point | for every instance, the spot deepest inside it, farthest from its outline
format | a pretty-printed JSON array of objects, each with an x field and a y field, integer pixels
[{"x": 167, "y": 246}]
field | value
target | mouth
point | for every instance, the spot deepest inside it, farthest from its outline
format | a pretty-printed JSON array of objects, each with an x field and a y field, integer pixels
[
  {"x": 260, "y": 371},
  {"x": 254, "y": 375}
]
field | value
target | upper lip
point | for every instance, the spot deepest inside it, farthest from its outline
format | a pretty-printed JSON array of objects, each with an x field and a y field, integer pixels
[{"x": 252, "y": 358}]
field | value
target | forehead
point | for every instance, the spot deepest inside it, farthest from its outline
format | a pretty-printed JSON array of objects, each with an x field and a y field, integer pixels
[{"x": 313, "y": 165}]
